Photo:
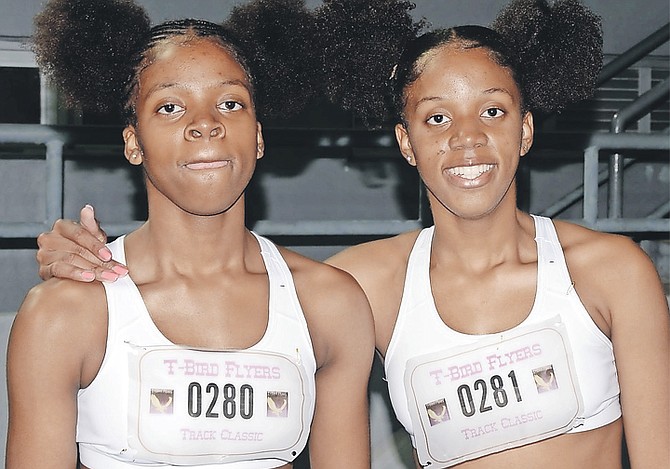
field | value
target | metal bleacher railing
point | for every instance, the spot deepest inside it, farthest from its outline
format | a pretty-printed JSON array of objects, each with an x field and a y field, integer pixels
[{"x": 621, "y": 147}]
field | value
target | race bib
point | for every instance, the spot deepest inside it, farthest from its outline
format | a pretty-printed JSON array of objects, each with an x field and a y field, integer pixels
[
  {"x": 502, "y": 392},
  {"x": 197, "y": 407}
]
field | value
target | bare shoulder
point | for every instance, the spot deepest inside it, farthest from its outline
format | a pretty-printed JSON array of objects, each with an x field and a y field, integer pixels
[
  {"x": 380, "y": 268},
  {"x": 374, "y": 259},
  {"x": 58, "y": 310},
  {"x": 335, "y": 307},
  {"x": 611, "y": 273},
  {"x": 310, "y": 275},
  {"x": 61, "y": 295},
  {"x": 602, "y": 253}
]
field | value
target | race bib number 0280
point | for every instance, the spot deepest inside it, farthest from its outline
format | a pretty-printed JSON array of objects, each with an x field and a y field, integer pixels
[
  {"x": 194, "y": 406},
  {"x": 508, "y": 390}
]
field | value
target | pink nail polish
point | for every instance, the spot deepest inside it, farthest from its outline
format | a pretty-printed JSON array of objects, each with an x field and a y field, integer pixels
[
  {"x": 88, "y": 276},
  {"x": 121, "y": 271},
  {"x": 105, "y": 254},
  {"x": 110, "y": 276}
]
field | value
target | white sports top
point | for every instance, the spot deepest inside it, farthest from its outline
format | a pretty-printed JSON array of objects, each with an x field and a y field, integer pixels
[
  {"x": 462, "y": 396},
  {"x": 155, "y": 404}
]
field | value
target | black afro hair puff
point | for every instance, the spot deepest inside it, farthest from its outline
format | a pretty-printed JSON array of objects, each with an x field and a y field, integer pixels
[
  {"x": 559, "y": 50},
  {"x": 279, "y": 34},
  {"x": 360, "y": 41},
  {"x": 85, "y": 48}
]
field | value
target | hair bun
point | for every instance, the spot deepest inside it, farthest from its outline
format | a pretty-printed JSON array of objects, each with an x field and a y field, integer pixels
[
  {"x": 360, "y": 42},
  {"x": 560, "y": 50},
  {"x": 85, "y": 47},
  {"x": 278, "y": 34}
]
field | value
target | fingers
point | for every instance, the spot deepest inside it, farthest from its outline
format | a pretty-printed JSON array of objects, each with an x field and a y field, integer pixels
[
  {"x": 74, "y": 251},
  {"x": 88, "y": 221},
  {"x": 60, "y": 257}
]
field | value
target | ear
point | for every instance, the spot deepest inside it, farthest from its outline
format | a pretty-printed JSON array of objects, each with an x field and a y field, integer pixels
[
  {"x": 131, "y": 148},
  {"x": 260, "y": 143},
  {"x": 527, "y": 131},
  {"x": 404, "y": 144}
]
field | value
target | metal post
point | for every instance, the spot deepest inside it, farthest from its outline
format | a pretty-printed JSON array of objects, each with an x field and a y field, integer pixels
[{"x": 591, "y": 184}]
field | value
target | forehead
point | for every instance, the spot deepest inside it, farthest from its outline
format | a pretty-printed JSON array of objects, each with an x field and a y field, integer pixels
[
  {"x": 192, "y": 60},
  {"x": 453, "y": 67}
]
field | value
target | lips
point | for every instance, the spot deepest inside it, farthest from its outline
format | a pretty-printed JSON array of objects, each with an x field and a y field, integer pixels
[
  {"x": 207, "y": 165},
  {"x": 470, "y": 172}
]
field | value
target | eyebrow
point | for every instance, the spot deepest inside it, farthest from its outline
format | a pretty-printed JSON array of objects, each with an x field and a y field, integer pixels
[
  {"x": 499, "y": 90},
  {"x": 487, "y": 91},
  {"x": 223, "y": 83}
]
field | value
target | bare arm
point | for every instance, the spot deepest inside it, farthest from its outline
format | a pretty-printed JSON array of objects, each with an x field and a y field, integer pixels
[
  {"x": 77, "y": 251},
  {"x": 641, "y": 338},
  {"x": 44, "y": 366},
  {"x": 620, "y": 287},
  {"x": 343, "y": 337},
  {"x": 379, "y": 267}
]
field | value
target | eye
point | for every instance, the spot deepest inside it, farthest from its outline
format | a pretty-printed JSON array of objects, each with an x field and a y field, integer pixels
[
  {"x": 437, "y": 119},
  {"x": 493, "y": 112},
  {"x": 169, "y": 109},
  {"x": 230, "y": 106}
]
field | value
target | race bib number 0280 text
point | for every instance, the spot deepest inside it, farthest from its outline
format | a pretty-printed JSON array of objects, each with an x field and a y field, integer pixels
[
  {"x": 201, "y": 406},
  {"x": 512, "y": 389}
]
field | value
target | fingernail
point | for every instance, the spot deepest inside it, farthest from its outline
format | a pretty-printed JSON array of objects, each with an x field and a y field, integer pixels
[
  {"x": 110, "y": 276},
  {"x": 105, "y": 254},
  {"x": 88, "y": 276},
  {"x": 120, "y": 270},
  {"x": 88, "y": 206}
]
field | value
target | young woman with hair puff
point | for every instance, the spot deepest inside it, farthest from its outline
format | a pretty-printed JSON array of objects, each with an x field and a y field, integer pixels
[
  {"x": 212, "y": 352},
  {"x": 508, "y": 340}
]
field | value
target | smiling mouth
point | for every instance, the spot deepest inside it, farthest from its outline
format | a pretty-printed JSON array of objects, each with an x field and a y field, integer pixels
[
  {"x": 470, "y": 172},
  {"x": 204, "y": 165}
]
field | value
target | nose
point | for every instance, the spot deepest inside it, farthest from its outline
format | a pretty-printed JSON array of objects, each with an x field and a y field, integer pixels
[
  {"x": 466, "y": 135},
  {"x": 204, "y": 127}
]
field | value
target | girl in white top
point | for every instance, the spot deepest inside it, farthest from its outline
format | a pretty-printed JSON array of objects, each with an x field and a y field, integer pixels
[
  {"x": 485, "y": 371},
  {"x": 189, "y": 98}
]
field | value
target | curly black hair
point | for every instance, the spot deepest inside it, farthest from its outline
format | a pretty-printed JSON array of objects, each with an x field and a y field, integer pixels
[
  {"x": 359, "y": 41},
  {"x": 558, "y": 47},
  {"x": 345, "y": 50},
  {"x": 94, "y": 51},
  {"x": 553, "y": 51},
  {"x": 280, "y": 32},
  {"x": 84, "y": 47}
]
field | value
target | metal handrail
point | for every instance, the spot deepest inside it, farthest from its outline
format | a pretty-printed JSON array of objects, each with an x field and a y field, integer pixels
[
  {"x": 640, "y": 107},
  {"x": 634, "y": 54},
  {"x": 643, "y": 105}
]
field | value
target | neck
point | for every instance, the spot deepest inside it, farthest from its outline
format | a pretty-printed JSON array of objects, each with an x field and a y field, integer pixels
[
  {"x": 173, "y": 241},
  {"x": 506, "y": 234}
]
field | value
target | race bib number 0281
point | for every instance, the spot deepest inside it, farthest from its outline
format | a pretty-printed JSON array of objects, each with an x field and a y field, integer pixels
[
  {"x": 195, "y": 406},
  {"x": 508, "y": 390}
]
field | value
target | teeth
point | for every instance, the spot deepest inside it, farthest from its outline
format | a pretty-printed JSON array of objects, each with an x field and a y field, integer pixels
[{"x": 470, "y": 172}]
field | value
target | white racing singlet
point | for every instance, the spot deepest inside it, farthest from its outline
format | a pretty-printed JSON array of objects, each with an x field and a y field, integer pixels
[
  {"x": 156, "y": 404},
  {"x": 462, "y": 396}
]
